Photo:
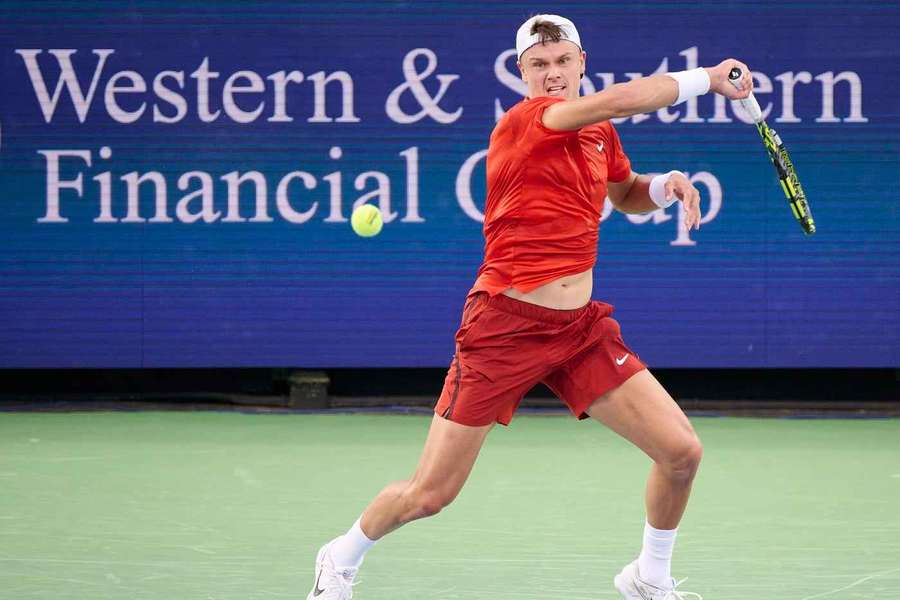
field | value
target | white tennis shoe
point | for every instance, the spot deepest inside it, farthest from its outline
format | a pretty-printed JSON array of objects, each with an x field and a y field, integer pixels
[
  {"x": 332, "y": 583},
  {"x": 632, "y": 587}
]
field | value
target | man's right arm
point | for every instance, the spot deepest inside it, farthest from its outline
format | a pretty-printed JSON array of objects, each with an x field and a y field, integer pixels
[{"x": 639, "y": 96}]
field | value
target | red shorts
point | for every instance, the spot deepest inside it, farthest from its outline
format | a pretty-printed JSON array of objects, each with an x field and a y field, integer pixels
[{"x": 504, "y": 347}]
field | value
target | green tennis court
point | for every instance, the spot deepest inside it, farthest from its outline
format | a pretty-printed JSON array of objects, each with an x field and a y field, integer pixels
[{"x": 199, "y": 506}]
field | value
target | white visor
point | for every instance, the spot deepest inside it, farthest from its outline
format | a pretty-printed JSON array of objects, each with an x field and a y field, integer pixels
[{"x": 525, "y": 39}]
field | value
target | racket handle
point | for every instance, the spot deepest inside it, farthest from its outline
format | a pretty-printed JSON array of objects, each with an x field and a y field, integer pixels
[{"x": 749, "y": 103}]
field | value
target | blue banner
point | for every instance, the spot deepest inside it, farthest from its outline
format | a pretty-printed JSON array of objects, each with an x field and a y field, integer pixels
[{"x": 177, "y": 183}]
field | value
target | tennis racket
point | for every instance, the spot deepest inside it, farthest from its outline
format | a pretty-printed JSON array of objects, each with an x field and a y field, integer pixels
[{"x": 781, "y": 160}]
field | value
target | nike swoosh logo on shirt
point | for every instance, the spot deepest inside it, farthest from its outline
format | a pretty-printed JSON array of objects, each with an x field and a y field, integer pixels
[
  {"x": 316, "y": 590},
  {"x": 600, "y": 147},
  {"x": 621, "y": 361}
]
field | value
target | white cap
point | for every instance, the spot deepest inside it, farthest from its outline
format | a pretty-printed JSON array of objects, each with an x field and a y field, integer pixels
[{"x": 525, "y": 39}]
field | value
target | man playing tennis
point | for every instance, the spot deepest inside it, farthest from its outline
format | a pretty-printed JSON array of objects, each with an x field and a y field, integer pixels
[{"x": 529, "y": 318}]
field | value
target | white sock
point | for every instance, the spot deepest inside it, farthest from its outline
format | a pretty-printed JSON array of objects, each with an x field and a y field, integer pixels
[
  {"x": 655, "y": 561},
  {"x": 350, "y": 549}
]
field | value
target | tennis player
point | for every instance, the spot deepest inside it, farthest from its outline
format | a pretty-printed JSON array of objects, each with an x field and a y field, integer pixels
[{"x": 552, "y": 160}]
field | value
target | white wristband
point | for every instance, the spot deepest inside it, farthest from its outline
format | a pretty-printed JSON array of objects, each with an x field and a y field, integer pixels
[
  {"x": 658, "y": 190},
  {"x": 690, "y": 83}
]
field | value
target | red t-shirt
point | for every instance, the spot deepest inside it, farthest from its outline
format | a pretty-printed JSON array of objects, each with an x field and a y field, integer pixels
[{"x": 545, "y": 193}]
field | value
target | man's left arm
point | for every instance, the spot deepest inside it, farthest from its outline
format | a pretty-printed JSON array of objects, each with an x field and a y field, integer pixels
[{"x": 633, "y": 195}]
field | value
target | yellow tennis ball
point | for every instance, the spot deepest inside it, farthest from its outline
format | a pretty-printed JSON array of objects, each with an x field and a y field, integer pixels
[{"x": 366, "y": 220}]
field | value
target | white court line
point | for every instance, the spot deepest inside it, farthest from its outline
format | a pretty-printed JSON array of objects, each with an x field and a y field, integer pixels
[
  {"x": 134, "y": 563},
  {"x": 57, "y": 459},
  {"x": 855, "y": 583}
]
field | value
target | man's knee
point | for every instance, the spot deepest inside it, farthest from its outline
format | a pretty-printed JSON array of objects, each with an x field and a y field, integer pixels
[
  {"x": 427, "y": 502},
  {"x": 683, "y": 459}
]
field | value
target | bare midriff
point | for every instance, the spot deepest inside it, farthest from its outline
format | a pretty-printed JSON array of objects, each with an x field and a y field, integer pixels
[{"x": 565, "y": 293}]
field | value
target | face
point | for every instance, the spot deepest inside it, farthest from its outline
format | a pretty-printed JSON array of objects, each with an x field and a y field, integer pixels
[{"x": 553, "y": 69}]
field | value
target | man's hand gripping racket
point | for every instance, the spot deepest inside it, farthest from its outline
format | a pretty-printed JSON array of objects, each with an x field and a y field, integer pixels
[{"x": 784, "y": 168}]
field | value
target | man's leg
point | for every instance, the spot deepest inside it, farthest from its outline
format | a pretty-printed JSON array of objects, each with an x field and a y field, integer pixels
[
  {"x": 447, "y": 459},
  {"x": 641, "y": 411}
]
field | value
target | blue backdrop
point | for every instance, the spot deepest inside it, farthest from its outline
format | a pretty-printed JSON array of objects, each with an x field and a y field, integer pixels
[{"x": 177, "y": 184}]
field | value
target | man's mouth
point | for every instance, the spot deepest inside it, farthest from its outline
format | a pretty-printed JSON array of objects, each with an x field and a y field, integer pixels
[{"x": 556, "y": 90}]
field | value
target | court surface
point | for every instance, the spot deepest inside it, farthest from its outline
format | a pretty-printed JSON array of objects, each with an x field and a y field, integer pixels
[{"x": 200, "y": 506}]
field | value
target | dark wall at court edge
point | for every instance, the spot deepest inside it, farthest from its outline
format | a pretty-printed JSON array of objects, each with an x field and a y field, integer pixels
[{"x": 176, "y": 184}]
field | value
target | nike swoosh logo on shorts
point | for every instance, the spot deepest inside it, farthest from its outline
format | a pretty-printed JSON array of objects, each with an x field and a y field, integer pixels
[{"x": 621, "y": 361}]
